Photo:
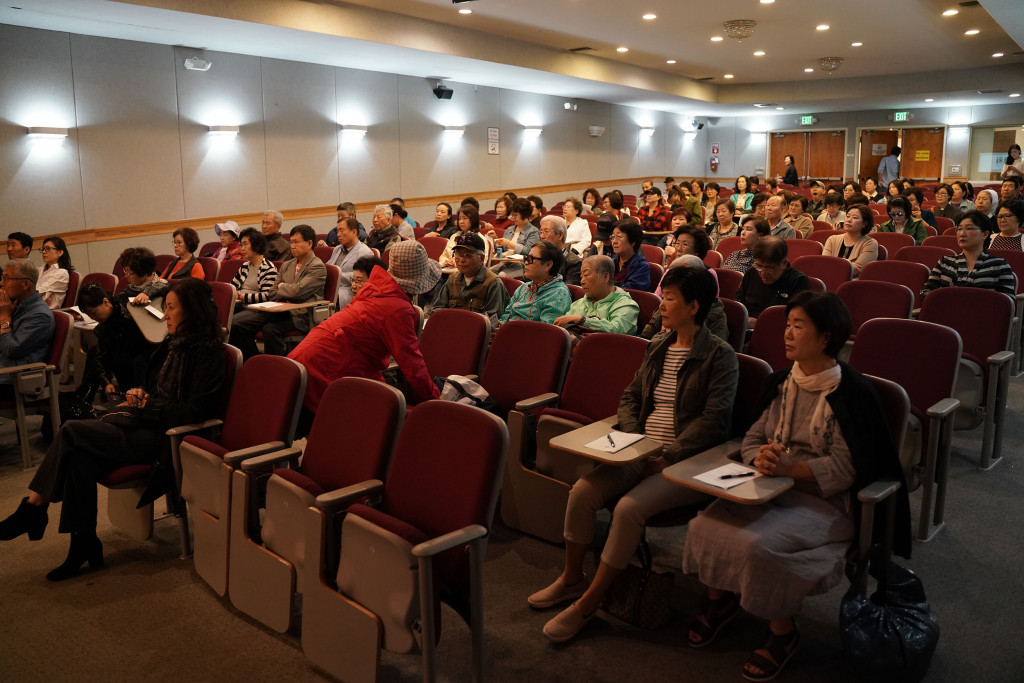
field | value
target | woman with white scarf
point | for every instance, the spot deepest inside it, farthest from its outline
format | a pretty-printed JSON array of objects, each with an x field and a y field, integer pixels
[{"x": 823, "y": 426}]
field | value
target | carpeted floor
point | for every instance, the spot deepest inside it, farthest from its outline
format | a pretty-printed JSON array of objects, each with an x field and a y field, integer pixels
[{"x": 148, "y": 616}]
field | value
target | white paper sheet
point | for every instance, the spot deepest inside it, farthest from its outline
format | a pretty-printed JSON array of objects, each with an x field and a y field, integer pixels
[
  {"x": 268, "y": 305},
  {"x": 617, "y": 442},
  {"x": 86, "y": 321},
  {"x": 155, "y": 312},
  {"x": 714, "y": 477}
]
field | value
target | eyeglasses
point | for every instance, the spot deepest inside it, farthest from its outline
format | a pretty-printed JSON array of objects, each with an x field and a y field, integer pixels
[
  {"x": 47, "y": 249},
  {"x": 1005, "y": 216},
  {"x": 897, "y": 214},
  {"x": 177, "y": 243},
  {"x": 969, "y": 229},
  {"x": 761, "y": 268},
  {"x": 530, "y": 258},
  {"x": 7, "y": 277}
]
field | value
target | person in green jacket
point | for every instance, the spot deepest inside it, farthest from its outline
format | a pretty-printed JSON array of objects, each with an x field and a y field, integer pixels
[
  {"x": 604, "y": 308},
  {"x": 545, "y": 296},
  {"x": 900, "y": 220}
]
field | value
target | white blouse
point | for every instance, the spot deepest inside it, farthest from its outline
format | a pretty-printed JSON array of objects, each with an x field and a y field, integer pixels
[
  {"x": 53, "y": 286},
  {"x": 578, "y": 235}
]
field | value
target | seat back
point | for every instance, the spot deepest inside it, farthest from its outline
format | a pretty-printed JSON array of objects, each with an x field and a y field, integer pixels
[
  {"x": 982, "y": 318},
  {"x": 831, "y": 270},
  {"x": 331, "y": 283},
  {"x": 736, "y": 317},
  {"x": 728, "y": 245},
  {"x": 648, "y": 304},
  {"x": 728, "y": 282},
  {"x": 63, "y": 326},
  {"x": 209, "y": 249},
  {"x": 595, "y": 382},
  {"x": 802, "y": 247},
  {"x": 435, "y": 246},
  {"x": 713, "y": 259},
  {"x": 893, "y": 241},
  {"x": 925, "y": 362},
  {"x": 1016, "y": 261},
  {"x": 228, "y": 270},
  {"x": 821, "y": 226},
  {"x": 210, "y": 267},
  {"x": 422, "y": 232},
  {"x": 323, "y": 253},
  {"x": 454, "y": 342},
  {"x": 162, "y": 261},
  {"x": 364, "y": 453},
  {"x": 224, "y": 300},
  {"x": 118, "y": 269},
  {"x": 816, "y": 285},
  {"x": 947, "y": 241},
  {"x": 766, "y": 342},
  {"x": 71, "y": 295},
  {"x": 576, "y": 292},
  {"x": 822, "y": 236},
  {"x": 895, "y": 407},
  {"x": 753, "y": 375},
  {"x": 251, "y": 419},
  {"x": 105, "y": 280},
  {"x": 926, "y": 256},
  {"x": 511, "y": 284},
  {"x": 544, "y": 372},
  {"x": 657, "y": 272},
  {"x": 439, "y": 489},
  {"x": 942, "y": 224},
  {"x": 653, "y": 254},
  {"x": 867, "y": 299},
  {"x": 908, "y": 273}
]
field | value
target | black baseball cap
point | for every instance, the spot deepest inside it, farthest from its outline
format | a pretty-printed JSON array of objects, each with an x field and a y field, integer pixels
[{"x": 470, "y": 240}]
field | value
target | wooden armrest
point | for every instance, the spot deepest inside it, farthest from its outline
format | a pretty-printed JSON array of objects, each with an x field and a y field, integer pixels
[
  {"x": 333, "y": 499},
  {"x": 23, "y": 368},
  {"x": 235, "y": 457},
  {"x": 944, "y": 408},
  {"x": 877, "y": 491},
  {"x": 450, "y": 540},
  {"x": 195, "y": 427},
  {"x": 260, "y": 461},
  {"x": 537, "y": 401}
]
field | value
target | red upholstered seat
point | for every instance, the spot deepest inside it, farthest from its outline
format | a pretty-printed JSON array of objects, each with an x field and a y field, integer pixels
[
  {"x": 567, "y": 415},
  {"x": 130, "y": 474},
  {"x": 648, "y": 304},
  {"x": 105, "y": 280},
  {"x": 549, "y": 347},
  {"x": 206, "y": 444},
  {"x": 727, "y": 246},
  {"x": 801, "y": 247},
  {"x": 831, "y": 270},
  {"x": 767, "y": 341},
  {"x": 868, "y": 299},
  {"x": 454, "y": 342},
  {"x": 927, "y": 256},
  {"x": 908, "y": 273},
  {"x": 947, "y": 241},
  {"x": 301, "y": 480},
  {"x": 728, "y": 282}
]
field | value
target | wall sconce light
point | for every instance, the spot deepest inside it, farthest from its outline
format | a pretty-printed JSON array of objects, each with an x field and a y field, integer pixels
[
  {"x": 353, "y": 131},
  {"x": 532, "y": 131},
  {"x": 596, "y": 131},
  {"x": 224, "y": 131},
  {"x": 646, "y": 132},
  {"x": 44, "y": 133},
  {"x": 197, "y": 64},
  {"x": 454, "y": 131}
]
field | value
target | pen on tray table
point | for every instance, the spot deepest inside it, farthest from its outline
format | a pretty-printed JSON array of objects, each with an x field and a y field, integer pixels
[
  {"x": 610, "y": 440},
  {"x": 736, "y": 476}
]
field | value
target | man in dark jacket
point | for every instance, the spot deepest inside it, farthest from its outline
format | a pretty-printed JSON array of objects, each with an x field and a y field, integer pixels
[{"x": 772, "y": 281}]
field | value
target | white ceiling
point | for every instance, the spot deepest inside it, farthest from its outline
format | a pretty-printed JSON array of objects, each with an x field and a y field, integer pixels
[{"x": 910, "y": 52}]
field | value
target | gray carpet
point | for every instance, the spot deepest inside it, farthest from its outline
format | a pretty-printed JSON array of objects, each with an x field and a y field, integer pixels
[{"x": 149, "y": 616}]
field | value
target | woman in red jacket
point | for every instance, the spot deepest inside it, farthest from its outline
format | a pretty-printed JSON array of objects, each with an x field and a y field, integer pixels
[{"x": 378, "y": 324}]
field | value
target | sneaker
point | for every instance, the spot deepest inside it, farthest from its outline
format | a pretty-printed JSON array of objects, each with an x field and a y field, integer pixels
[
  {"x": 567, "y": 624},
  {"x": 558, "y": 593}
]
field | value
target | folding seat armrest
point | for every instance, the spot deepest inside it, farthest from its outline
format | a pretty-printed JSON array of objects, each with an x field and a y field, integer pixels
[
  {"x": 728, "y": 449},
  {"x": 1000, "y": 358},
  {"x": 235, "y": 457},
  {"x": 22, "y": 368},
  {"x": 537, "y": 401},
  {"x": 452, "y": 539},
  {"x": 944, "y": 408},
  {"x": 289, "y": 455},
  {"x": 876, "y": 492},
  {"x": 340, "y": 497},
  {"x": 184, "y": 430}
]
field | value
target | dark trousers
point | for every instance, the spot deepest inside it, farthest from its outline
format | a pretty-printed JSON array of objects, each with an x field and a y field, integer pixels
[
  {"x": 274, "y": 326},
  {"x": 82, "y": 453}
]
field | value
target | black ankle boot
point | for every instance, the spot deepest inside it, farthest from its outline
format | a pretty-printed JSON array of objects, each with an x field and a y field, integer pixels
[
  {"x": 84, "y": 548},
  {"x": 27, "y": 519}
]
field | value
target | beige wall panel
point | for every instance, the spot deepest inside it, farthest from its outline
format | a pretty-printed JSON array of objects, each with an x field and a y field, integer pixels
[
  {"x": 474, "y": 170},
  {"x": 427, "y": 154},
  {"x": 128, "y": 131},
  {"x": 594, "y": 152},
  {"x": 624, "y": 135},
  {"x": 301, "y": 121},
  {"x": 40, "y": 180},
  {"x": 522, "y": 152},
  {"x": 651, "y": 150},
  {"x": 368, "y": 167},
  {"x": 222, "y": 175},
  {"x": 561, "y": 143}
]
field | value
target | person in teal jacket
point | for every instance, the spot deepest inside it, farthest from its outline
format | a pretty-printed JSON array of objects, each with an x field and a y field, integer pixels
[
  {"x": 901, "y": 220},
  {"x": 605, "y": 308},
  {"x": 545, "y": 296}
]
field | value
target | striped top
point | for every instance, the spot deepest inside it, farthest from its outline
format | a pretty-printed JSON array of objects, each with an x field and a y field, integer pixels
[
  {"x": 990, "y": 272},
  {"x": 661, "y": 423}
]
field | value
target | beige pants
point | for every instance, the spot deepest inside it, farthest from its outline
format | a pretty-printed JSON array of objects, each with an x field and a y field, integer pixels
[{"x": 642, "y": 497}]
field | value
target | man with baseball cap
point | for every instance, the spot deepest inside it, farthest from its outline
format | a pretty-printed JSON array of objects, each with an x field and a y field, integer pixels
[
  {"x": 817, "y": 203},
  {"x": 472, "y": 286}
]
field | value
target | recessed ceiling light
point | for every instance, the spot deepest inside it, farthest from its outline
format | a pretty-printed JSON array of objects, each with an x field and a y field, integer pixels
[
  {"x": 465, "y": 11},
  {"x": 716, "y": 39},
  {"x": 856, "y": 44},
  {"x": 929, "y": 99},
  {"x": 950, "y": 12},
  {"x": 780, "y": 108},
  {"x": 670, "y": 61},
  {"x": 767, "y": 2},
  {"x": 971, "y": 32},
  {"x": 728, "y": 75},
  {"x": 650, "y": 16},
  {"x": 997, "y": 54},
  {"x": 1015, "y": 94},
  {"x": 622, "y": 49},
  {"x": 822, "y": 27},
  {"x": 808, "y": 70},
  {"x": 759, "y": 53}
]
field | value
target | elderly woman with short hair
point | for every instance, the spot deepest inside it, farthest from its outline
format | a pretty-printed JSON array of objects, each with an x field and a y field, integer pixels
[
  {"x": 139, "y": 264},
  {"x": 186, "y": 241},
  {"x": 578, "y": 235},
  {"x": 752, "y": 228},
  {"x": 603, "y": 306},
  {"x": 632, "y": 271}
]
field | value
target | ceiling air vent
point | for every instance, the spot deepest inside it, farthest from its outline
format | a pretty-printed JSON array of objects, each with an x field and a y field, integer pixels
[
  {"x": 970, "y": 3},
  {"x": 579, "y": 49}
]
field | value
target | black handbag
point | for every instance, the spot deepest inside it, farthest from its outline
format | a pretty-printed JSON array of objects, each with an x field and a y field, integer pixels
[
  {"x": 641, "y": 596},
  {"x": 891, "y": 635}
]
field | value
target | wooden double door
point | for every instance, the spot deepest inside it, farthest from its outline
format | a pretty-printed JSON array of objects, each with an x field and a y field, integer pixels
[
  {"x": 921, "y": 157},
  {"x": 818, "y": 154}
]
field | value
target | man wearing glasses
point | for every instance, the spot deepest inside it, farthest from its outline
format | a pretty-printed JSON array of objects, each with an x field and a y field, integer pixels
[
  {"x": 472, "y": 286},
  {"x": 26, "y": 323},
  {"x": 771, "y": 281}
]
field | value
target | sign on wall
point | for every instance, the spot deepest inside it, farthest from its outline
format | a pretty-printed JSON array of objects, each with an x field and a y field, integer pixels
[
  {"x": 715, "y": 147},
  {"x": 878, "y": 150},
  {"x": 922, "y": 155},
  {"x": 493, "y": 140},
  {"x": 954, "y": 169}
]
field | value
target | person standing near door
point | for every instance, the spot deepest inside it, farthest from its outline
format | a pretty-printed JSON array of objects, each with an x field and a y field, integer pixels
[
  {"x": 889, "y": 167},
  {"x": 791, "y": 177}
]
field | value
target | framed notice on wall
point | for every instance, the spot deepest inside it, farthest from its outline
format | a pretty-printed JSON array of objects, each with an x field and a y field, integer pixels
[
  {"x": 878, "y": 150},
  {"x": 493, "y": 140}
]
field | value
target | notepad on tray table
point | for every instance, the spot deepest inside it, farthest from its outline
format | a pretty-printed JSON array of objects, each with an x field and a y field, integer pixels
[
  {"x": 715, "y": 476},
  {"x": 617, "y": 442}
]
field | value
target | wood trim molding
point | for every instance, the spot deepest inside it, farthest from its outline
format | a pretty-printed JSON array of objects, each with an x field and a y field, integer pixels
[{"x": 167, "y": 227}]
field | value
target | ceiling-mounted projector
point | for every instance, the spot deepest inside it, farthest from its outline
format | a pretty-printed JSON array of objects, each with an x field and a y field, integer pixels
[{"x": 443, "y": 93}]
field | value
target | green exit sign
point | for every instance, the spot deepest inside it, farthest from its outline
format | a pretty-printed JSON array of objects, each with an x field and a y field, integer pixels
[
  {"x": 806, "y": 120},
  {"x": 901, "y": 116}
]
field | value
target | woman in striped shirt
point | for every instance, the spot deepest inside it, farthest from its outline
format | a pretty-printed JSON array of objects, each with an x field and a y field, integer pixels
[
  {"x": 681, "y": 397},
  {"x": 975, "y": 267},
  {"x": 256, "y": 279}
]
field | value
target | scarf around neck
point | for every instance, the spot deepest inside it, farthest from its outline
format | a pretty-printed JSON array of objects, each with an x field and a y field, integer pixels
[{"x": 823, "y": 421}]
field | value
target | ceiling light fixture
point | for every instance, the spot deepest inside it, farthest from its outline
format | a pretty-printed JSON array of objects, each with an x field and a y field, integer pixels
[
  {"x": 465, "y": 11},
  {"x": 670, "y": 61},
  {"x": 997, "y": 54},
  {"x": 646, "y": 132},
  {"x": 622, "y": 49},
  {"x": 950, "y": 12},
  {"x": 728, "y": 76},
  {"x": 224, "y": 131},
  {"x": 822, "y": 27},
  {"x": 829, "y": 64},
  {"x": 717, "y": 39},
  {"x": 759, "y": 53},
  {"x": 767, "y": 2},
  {"x": 808, "y": 70},
  {"x": 971, "y": 32},
  {"x": 856, "y": 44},
  {"x": 197, "y": 64},
  {"x": 929, "y": 99},
  {"x": 780, "y": 108},
  {"x": 1015, "y": 94},
  {"x": 454, "y": 131},
  {"x": 43, "y": 132},
  {"x": 353, "y": 131},
  {"x": 738, "y": 29},
  {"x": 650, "y": 16}
]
